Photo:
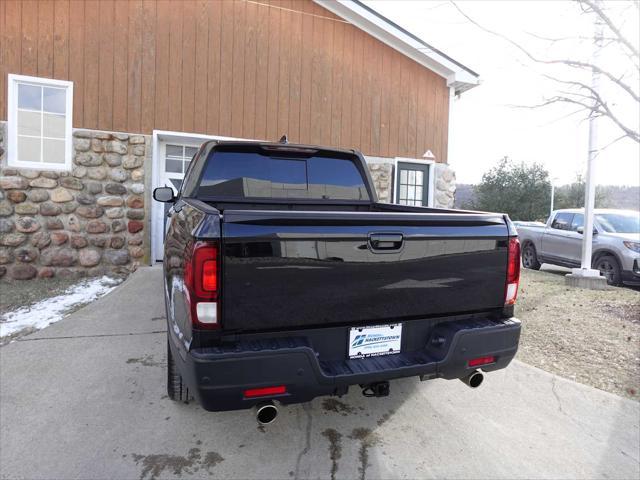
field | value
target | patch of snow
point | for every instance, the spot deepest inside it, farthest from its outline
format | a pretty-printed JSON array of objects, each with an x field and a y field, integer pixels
[{"x": 50, "y": 310}]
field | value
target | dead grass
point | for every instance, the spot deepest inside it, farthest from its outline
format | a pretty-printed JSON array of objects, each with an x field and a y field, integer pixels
[
  {"x": 589, "y": 336},
  {"x": 20, "y": 293}
]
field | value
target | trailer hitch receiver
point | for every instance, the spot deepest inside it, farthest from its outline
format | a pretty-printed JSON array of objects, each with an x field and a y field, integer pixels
[{"x": 378, "y": 389}]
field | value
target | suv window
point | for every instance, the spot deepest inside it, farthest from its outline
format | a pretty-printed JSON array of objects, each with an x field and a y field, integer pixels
[
  {"x": 578, "y": 221},
  {"x": 258, "y": 174},
  {"x": 562, "y": 221}
]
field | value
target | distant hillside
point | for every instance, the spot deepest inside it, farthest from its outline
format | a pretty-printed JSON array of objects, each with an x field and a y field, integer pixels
[
  {"x": 613, "y": 196},
  {"x": 464, "y": 195},
  {"x": 621, "y": 197}
]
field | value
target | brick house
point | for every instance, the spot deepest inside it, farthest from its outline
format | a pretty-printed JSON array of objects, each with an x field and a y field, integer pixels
[{"x": 104, "y": 100}]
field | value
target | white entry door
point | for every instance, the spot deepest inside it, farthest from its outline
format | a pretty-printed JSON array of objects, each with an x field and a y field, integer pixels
[
  {"x": 414, "y": 182},
  {"x": 174, "y": 159}
]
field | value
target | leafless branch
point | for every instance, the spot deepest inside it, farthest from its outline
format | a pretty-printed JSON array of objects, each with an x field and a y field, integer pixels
[
  {"x": 562, "y": 39},
  {"x": 567, "y": 62},
  {"x": 597, "y": 109},
  {"x": 621, "y": 137},
  {"x": 616, "y": 31},
  {"x": 599, "y": 105},
  {"x": 586, "y": 97}
]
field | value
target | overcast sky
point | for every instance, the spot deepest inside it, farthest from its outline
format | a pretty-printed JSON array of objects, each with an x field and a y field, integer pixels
[{"x": 485, "y": 124}]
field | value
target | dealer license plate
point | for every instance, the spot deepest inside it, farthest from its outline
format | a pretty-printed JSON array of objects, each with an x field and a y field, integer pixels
[{"x": 374, "y": 341}]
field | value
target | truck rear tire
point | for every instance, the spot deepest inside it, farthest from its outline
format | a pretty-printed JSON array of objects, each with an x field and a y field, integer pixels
[
  {"x": 530, "y": 257},
  {"x": 176, "y": 389},
  {"x": 609, "y": 268}
]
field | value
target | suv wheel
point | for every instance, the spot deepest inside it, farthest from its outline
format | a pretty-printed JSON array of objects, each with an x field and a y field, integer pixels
[
  {"x": 609, "y": 268},
  {"x": 530, "y": 257},
  {"x": 176, "y": 389}
]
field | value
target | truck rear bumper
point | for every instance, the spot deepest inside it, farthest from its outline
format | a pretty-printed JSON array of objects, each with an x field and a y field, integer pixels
[{"x": 219, "y": 376}]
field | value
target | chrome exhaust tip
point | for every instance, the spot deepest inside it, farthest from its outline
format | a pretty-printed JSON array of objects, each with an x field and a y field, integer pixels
[
  {"x": 266, "y": 413},
  {"x": 474, "y": 380}
]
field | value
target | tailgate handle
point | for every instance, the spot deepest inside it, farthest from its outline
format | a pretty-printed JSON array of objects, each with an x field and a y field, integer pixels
[{"x": 385, "y": 242}]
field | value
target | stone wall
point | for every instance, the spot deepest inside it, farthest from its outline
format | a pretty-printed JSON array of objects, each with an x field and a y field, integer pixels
[
  {"x": 445, "y": 182},
  {"x": 382, "y": 176},
  {"x": 89, "y": 221}
]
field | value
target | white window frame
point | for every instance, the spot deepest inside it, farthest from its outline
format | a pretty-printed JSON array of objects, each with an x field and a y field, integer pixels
[
  {"x": 431, "y": 184},
  {"x": 12, "y": 116}
]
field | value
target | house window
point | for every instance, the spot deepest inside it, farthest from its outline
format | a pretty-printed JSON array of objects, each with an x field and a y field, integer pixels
[{"x": 40, "y": 111}]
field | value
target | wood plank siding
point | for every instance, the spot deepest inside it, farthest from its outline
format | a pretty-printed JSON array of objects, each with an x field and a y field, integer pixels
[{"x": 227, "y": 67}]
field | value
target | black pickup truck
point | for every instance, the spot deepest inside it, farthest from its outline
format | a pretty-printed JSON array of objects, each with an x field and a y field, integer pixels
[{"x": 285, "y": 279}]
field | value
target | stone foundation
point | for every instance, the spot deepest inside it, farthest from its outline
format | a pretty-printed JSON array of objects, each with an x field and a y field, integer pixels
[
  {"x": 445, "y": 183},
  {"x": 89, "y": 221},
  {"x": 382, "y": 176}
]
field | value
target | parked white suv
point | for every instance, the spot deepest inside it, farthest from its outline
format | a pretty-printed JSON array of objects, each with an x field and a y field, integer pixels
[{"x": 616, "y": 243}]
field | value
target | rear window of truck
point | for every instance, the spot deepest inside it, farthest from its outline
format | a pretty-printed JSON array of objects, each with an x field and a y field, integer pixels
[{"x": 256, "y": 174}]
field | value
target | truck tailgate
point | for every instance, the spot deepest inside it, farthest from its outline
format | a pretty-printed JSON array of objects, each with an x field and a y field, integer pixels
[{"x": 297, "y": 269}]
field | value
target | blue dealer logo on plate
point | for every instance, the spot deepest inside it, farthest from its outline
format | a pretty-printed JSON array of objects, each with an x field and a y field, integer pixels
[{"x": 372, "y": 339}]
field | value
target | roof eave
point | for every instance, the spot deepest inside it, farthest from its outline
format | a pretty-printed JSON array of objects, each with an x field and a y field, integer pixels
[{"x": 458, "y": 76}]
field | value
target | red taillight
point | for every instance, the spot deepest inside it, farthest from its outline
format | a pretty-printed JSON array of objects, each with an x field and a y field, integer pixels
[
  {"x": 201, "y": 279},
  {"x": 210, "y": 276},
  {"x": 265, "y": 391},
  {"x": 205, "y": 268},
  {"x": 513, "y": 272},
  {"x": 476, "y": 362}
]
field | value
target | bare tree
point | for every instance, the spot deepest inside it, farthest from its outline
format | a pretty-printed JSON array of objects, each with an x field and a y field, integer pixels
[{"x": 618, "y": 99}]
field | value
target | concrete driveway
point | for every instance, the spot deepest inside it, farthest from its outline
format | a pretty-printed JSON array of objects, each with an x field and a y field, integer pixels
[{"x": 85, "y": 398}]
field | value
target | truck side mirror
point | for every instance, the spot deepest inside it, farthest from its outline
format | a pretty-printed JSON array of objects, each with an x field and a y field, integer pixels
[
  {"x": 164, "y": 194},
  {"x": 580, "y": 230}
]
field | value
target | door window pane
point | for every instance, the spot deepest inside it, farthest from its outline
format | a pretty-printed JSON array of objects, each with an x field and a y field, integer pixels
[
  {"x": 174, "y": 166},
  {"x": 174, "y": 151},
  {"x": 190, "y": 152},
  {"x": 177, "y": 158},
  {"x": 562, "y": 221},
  {"x": 578, "y": 221}
]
